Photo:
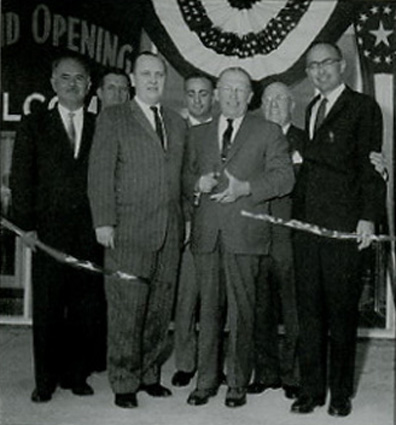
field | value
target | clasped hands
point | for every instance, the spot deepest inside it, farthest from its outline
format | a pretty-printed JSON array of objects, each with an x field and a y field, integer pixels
[{"x": 235, "y": 189}]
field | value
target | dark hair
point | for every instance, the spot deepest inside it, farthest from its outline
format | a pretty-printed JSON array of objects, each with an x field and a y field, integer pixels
[
  {"x": 326, "y": 43},
  {"x": 71, "y": 56},
  {"x": 150, "y": 54},
  {"x": 199, "y": 75},
  {"x": 114, "y": 71}
]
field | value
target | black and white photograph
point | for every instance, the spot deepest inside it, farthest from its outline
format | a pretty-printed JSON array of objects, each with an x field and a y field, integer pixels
[{"x": 198, "y": 212}]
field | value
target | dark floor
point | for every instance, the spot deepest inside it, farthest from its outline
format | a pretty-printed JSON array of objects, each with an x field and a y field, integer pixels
[{"x": 374, "y": 403}]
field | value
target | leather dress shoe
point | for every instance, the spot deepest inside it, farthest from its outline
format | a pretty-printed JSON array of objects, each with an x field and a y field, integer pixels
[
  {"x": 235, "y": 397},
  {"x": 340, "y": 408},
  {"x": 306, "y": 404},
  {"x": 291, "y": 391},
  {"x": 40, "y": 396},
  {"x": 260, "y": 387},
  {"x": 199, "y": 397},
  {"x": 182, "y": 379},
  {"x": 156, "y": 390},
  {"x": 82, "y": 389},
  {"x": 126, "y": 400},
  {"x": 79, "y": 388}
]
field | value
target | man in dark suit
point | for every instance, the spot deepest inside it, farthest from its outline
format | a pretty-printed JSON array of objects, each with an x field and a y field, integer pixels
[
  {"x": 337, "y": 188},
  {"x": 49, "y": 189},
  {"x": 199, "y": 97},
  {"x": 134, "y": 189},
  {"x": 241, "y": 165},
  {"x": 275, "y": 368}
]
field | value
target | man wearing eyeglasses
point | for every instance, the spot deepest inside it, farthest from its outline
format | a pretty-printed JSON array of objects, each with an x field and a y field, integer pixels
[
  {"x": 337, "y": 188},
  {"x": 236, "y": 162}
]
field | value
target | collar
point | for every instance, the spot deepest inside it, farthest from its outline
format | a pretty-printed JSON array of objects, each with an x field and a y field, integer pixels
[
  {"x": 65, "y": 112},
  {"x": 193, "y": 121},
  {"x": 146, "y": 108}
]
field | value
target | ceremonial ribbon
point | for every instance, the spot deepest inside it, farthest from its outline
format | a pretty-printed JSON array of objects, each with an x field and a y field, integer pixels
[
  {"x": 66, "y": 258},
  {"x": 317, "y": 230}
]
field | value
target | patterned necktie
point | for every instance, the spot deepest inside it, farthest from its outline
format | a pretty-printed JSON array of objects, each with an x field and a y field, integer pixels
[
  {"x": 226, "y": 140},
  {"x": 320, "y": 115},
  {"x": 158, "y": 125},
  {"x": 71, "y": 130}
]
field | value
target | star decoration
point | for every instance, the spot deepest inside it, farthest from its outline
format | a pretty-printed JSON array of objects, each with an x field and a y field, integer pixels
[
  {"x": 374, "y": 10},
  {"x": 363, "y": 18},
  {"x": 381, "y": 35},
  {"x": 387, "y": 10}
]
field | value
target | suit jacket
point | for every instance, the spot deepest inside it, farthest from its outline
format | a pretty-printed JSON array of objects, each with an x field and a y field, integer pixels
[
  {"x": 337, "y": 185},
  {"x": 282, "y": 207},
  {"x": 133, "y": 183},
  {"x": 259, "y": 155},
  {"x": 49, "y": 186}
]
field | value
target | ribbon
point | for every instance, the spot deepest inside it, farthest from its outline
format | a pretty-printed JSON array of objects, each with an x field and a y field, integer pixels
[
  {"x": 312, "y": 228},
  {"x": 66, "y": 258}
]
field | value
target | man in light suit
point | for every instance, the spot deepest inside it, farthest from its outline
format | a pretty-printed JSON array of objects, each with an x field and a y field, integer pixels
[
  {"x": 275, "y": 366},
  {"x": 199, "y": 97},
  {"x": 49, "y": 190},
  {"x": 337, "y": 188},
  {"x": 134, "y": 189},
  {"x": 243, "y": 163}
]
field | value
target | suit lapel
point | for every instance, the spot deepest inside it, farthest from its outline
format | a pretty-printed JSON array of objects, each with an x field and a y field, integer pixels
[
  {"x": 58, "y": 132},
  {"x": 239, "y": 138},
  {"x": 145, "y": 124},
  {"x": 87, "y": 134}
]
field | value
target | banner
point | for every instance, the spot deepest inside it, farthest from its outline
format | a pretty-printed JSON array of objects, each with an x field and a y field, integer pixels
[{"x": 105, "y": 32}]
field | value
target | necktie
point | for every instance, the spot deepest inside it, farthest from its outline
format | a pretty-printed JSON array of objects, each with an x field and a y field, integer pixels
[
  {"x": 226, "y": 140},
  {"x": 71, "y": 130},
  {"x": 158, "y": 125},
  {"x": 320, "y": 116}
]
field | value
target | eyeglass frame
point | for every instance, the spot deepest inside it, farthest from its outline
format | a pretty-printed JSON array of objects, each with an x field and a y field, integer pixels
[{"x": 327, "y": 63}]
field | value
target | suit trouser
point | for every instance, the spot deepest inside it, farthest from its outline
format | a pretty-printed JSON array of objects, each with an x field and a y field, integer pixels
[
  {"x": 211, "y": 292},
  {"x": 328, "y": 292},
  {"x": 139, "y": 314},
  {"x": 186, "y": 316},
  {"x": 240, "y": 274},
  {"x": 66, "y": 308},
  {"x": 276, "y": 282}
]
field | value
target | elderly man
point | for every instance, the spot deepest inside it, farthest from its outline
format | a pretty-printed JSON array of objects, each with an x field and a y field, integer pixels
[
  {"x": 134, "y": 189},
  {"x": 337, "y": 188},
  {"x": 243, "y": 163},
  {"x": 49, "y": 190},
  {"x": 273, "y": 370}
]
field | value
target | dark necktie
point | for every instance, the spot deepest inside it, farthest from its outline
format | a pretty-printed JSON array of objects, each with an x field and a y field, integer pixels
[
  {"x": 71, "y": 130},
  {"x": 226, "y": 142},
  {"x": 320, "y": 116},
  {"x": 158, "y": 125}
]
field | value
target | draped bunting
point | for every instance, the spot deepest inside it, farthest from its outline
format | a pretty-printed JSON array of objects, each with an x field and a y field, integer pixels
[{"x": 267, "y": 38}]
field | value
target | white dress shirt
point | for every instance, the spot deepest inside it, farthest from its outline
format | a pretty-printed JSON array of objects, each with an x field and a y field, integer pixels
[{"x": 78, "y": 120}]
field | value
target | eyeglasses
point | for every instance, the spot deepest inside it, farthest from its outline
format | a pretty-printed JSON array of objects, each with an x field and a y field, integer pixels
[
  {"x": 234, "y": 90},
  {"x": 327, "y": 63}
]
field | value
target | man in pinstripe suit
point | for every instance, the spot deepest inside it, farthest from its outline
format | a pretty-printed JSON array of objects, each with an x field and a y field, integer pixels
[{"x": 134, "y": 190}]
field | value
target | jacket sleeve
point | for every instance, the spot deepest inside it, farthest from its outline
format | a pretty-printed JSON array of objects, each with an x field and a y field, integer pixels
[
  {"x": 23, "y": 179},
  {"x": 369, "y": 138},
  {"x": 277, "y": 180},
  {"x": 102, "y": 172}
]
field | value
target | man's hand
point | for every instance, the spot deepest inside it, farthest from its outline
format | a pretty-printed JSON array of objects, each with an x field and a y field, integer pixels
[
  {"x": 380, "y": 164},
  {"x": 105, "y": 236},
  {"x": 236, "y": 188},
  {"x": 28, "y": 239},
  {"x": 207, "y": 182},
  {"x": 364, "y": 229}
]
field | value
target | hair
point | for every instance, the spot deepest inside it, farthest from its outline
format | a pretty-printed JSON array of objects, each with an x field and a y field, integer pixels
[
  {"x": 149, "y": 54},
  {"x": 199, "y": 75},
  {"x": 71, "y": 56},
  {"x": 114, "y": 71},
  {"x": 326, "y": 43},
  {"x": 236, "y": 69}
]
